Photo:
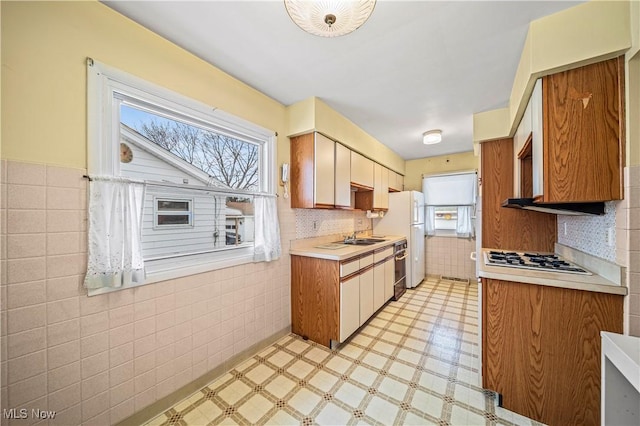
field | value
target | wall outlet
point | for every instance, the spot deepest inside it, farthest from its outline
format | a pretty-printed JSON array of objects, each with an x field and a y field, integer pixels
[
  {"x": 611, "y": 236},
  {"x": 315, "y": 225},
  {"x": 565, "y": 228},
  {"x": 359, "y": 222}
]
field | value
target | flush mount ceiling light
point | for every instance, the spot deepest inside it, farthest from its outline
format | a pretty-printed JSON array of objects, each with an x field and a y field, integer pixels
[
  {"x": 432, "y": 137},
  {"x": 329, "y": 18}
]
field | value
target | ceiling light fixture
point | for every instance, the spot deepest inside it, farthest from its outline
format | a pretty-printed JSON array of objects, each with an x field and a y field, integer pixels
[
  {"x": 432, "y": 137},
  {"x": 329, "y": 18}
]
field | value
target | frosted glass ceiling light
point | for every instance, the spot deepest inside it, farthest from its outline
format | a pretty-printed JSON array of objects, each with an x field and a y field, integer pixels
[
  {"x": 432, "y": 137},
  {"x": 329, "y": 18}
]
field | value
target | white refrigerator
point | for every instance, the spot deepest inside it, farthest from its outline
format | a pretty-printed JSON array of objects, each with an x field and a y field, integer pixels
[{"x": 406, "y": 217}]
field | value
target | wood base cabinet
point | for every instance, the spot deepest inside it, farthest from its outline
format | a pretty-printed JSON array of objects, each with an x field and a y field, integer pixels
[
  {"x": 541, "y": 349},
  {"x": 330, "y": 300}
]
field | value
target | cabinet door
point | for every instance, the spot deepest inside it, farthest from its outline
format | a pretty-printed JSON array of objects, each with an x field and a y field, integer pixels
[
  {"x": 343, "y": 176},
  {"x": 324, "y": 171},
  {"x": 519, "y": 139},
  {"x": 583, "y": 133},
  {"x": 378, "y": 286},
  {"x": 389, "y": 276},
  {"x": 366, "y": 295},
  {"x": 536, "y": 140},
  {"x": 380, "y": 187},
  {"x": 349, "y": 307},
  {"x": 361, "y": 170}
]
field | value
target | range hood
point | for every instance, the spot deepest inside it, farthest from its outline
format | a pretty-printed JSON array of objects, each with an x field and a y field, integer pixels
[{"x": 573, "y": 209}]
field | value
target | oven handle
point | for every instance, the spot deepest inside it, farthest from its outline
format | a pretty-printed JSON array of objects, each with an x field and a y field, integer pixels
[{"x": 404, "y": 256}]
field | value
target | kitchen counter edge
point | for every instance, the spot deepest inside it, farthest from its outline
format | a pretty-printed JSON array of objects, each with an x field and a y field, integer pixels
[
  {"x": 343, "y": 253},
  {"x": 594, "y": 283}
]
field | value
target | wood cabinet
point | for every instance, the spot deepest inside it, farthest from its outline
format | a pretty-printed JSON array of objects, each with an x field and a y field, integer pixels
[
  {"x": 380, "y": 187},
  {"x": 332, "y": 299},
  {"x": 583, "y": 134},
  {"x": 312, "y": 171},
  {"x": 361, "y": 171},
  {"x": 503, "y": 228},
  {"x": 315, "y": 298},
  {"x": 541, "y": 349},
  {"x": 343, "y": 177}
]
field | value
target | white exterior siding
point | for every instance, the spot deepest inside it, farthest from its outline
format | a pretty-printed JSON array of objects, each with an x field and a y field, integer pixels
[
  {"x": 208, "y": 225},
  {"x": 147, "y": 166},
  {"x": 171, "y": 240}
]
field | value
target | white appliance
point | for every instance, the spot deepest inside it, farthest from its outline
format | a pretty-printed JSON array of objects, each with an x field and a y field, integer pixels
[{"x": 406, "y": 217}]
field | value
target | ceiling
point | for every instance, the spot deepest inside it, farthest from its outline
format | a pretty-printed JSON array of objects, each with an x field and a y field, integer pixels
[{"x": 412, "y": 67}]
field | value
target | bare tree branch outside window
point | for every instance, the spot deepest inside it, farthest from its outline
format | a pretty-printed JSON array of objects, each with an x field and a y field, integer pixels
[{"x": 228, "y": 160}]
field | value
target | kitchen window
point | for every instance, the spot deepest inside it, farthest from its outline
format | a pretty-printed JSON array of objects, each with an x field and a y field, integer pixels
[
  {"x": 450, "y": 204},
  {"x": 202, "y": 169}
]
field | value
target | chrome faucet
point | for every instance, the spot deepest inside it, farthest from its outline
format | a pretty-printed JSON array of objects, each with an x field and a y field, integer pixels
[{"x": 351, "y": 237}]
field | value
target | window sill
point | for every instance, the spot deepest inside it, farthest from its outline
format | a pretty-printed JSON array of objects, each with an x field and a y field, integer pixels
[{"x": 158, "y": 272}]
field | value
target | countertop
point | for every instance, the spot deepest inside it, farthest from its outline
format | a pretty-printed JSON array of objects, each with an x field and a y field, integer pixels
[
  {"x": 595, "y": 282},
  {"x": 311, "y": 249}
]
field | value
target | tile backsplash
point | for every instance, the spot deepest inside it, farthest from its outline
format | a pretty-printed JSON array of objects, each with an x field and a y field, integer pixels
[
  {"x": 316, "y": 223},
  {"x": 590, "y": 233}
]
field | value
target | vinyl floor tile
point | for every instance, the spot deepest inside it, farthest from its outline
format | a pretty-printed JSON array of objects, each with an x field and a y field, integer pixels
[{"x": 415, "y": 363}]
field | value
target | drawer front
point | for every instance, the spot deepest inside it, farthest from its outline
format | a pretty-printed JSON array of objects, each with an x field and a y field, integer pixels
[
  {"x": 366, "y": 260},
  {"x": 382, "y": 254},
  {"x": 348, "y": 267}
]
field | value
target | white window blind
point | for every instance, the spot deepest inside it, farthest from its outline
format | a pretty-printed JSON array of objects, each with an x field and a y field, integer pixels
[{"x": 457, "y": 189}]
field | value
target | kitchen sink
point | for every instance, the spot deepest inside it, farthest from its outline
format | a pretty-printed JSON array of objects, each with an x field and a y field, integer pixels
[{"x": 362, "y": 241}]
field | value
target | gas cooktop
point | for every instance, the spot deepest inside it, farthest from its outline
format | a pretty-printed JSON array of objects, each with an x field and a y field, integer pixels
[{"x": 537, "y": 261}]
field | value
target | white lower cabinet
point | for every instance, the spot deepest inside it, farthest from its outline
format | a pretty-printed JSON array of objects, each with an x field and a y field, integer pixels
[
  {"x": 366, "y": 283},
  {"x": 349, "y": 306},
  {"x": 389, "y": 278},
  {"x": 378, "y": 286},
  {"x": 366, "y": 295}
]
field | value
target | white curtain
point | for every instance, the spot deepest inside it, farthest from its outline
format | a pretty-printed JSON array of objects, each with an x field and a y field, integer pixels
[
  {"x": 464, "y": 227},
  {"x": 430, "y": 220},
  {"x": 115, "y": 230},
  {"x": 267, "y": 229}
]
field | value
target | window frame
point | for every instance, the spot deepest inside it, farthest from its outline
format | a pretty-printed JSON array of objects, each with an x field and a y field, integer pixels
[
  {"x": 189, "y": 212},
  {"x": 107, "y": 87}
]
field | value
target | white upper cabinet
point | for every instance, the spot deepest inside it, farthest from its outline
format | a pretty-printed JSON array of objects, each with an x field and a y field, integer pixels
[
  {"x": 343, "y": 177},
  {"x": 395, "y": 181},
  {"x": 361, "y": 171},
  {"x": 519, "y": 140},
  {"x": 312, "y": 175},
  {"x": 536, "y": 143},
  {"x": 324, "y": 170},
  {"x": 380, "y": 187}
]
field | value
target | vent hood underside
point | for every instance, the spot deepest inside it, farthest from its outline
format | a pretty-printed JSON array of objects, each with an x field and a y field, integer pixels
[{"x": 574, "y": 209}]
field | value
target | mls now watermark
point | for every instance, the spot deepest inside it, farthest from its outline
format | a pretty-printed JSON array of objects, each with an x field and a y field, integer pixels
[{"x": 23, "y": 413}]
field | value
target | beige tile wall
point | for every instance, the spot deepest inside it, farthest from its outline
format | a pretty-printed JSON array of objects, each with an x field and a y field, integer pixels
[
  {"x": 96, "y": 360},
  {"x": 450, "y": 257},
  {"x": 628, "y": 245}
]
